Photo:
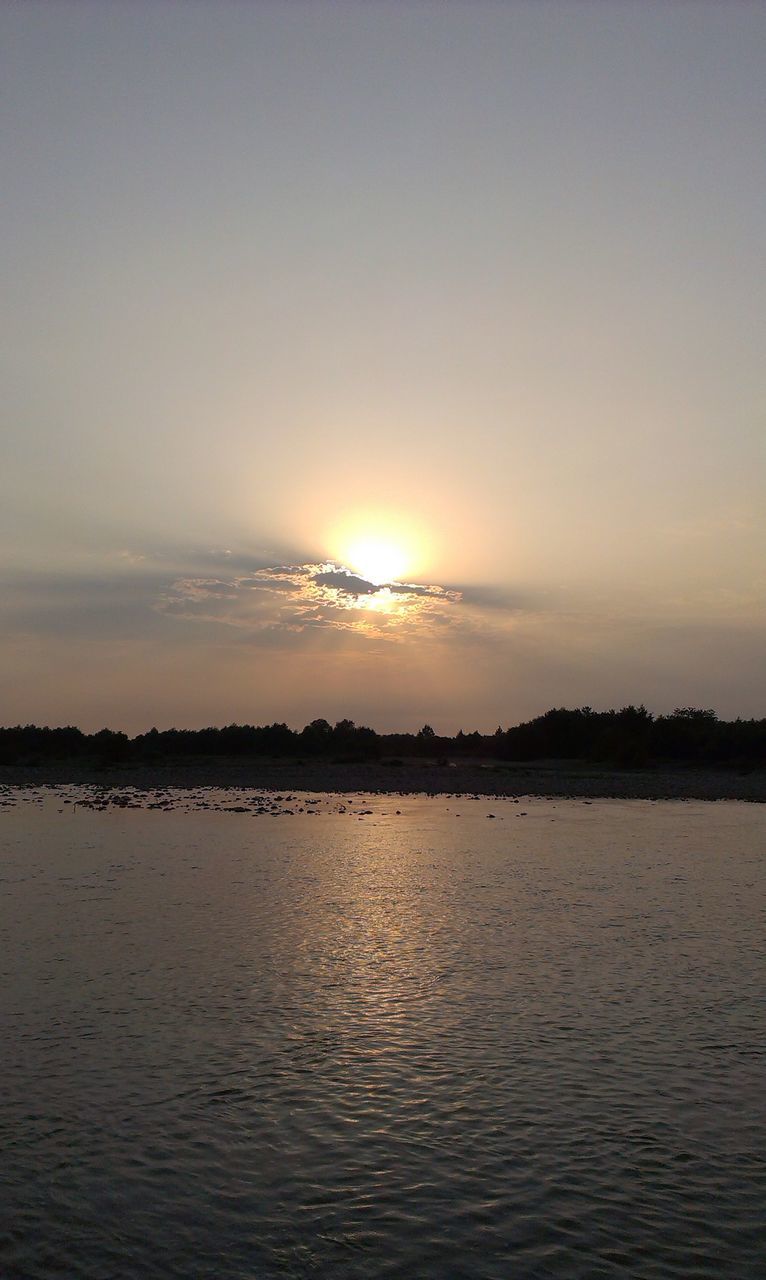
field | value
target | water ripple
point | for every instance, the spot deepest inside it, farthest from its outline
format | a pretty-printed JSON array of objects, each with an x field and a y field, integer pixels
[{"x": 398, "y": 1046}]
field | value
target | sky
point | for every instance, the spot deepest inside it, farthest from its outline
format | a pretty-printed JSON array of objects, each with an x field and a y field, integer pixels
[{"x": 390, "y": 361}]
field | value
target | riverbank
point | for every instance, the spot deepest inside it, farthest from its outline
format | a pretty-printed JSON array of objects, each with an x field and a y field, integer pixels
[{"x": 548, "y": 778}]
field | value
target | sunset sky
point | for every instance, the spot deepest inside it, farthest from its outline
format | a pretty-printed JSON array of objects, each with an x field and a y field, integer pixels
[{"x": 383, "y": 360}]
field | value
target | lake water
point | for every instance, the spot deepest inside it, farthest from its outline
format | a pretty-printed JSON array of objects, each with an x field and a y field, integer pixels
[{"x": 379, "y": 1044}]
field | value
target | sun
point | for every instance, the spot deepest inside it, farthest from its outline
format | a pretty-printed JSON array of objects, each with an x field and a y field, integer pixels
[
  {"x": 378, "y": 560},
  {"x": 380, "y": 544}
]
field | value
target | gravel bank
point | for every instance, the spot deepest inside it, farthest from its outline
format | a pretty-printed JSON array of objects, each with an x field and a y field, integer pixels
[{"x": 549, "y": 779}]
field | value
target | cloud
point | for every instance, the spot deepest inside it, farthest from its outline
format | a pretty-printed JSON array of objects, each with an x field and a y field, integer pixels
[
  {"x": 209, "y": 617},
  {"x": 352, "y": 584},
  {"x": 201, "y": 588},
  {"x": 310, "y": 596},
  {"x": 344, "y": 580},
  {"x": 499, "y": 599},
  {"x": 242, "y": 596}
]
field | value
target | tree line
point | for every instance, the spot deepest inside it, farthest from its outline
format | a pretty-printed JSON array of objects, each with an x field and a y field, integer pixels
[{"x": 629, "y": 738}]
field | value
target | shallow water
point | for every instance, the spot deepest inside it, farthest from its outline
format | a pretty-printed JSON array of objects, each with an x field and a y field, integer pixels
[{"x": 369, "y": 1043}]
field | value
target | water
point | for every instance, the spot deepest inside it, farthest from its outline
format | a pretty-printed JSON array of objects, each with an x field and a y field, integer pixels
[{"x": 369, "y": 1044}]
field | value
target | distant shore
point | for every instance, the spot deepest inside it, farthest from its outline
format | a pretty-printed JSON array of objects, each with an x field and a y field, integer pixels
[{"x": 550, "y": 778}]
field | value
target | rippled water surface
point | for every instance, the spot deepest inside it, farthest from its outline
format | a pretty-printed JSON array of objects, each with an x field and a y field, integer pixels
[{"x": 369, "y": 1043}]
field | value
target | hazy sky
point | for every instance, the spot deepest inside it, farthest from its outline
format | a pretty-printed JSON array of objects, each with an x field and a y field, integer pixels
[{"x": 465, "y": 296}]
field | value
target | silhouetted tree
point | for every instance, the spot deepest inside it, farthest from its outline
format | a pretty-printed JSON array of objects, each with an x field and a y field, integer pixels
[{"x": 629, "y": 737}]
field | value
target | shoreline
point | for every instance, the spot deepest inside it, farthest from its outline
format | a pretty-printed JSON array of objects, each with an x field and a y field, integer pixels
[{"x": 557, "y": 778}]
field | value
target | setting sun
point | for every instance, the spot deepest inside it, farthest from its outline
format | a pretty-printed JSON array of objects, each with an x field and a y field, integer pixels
[
  {"x": 377, "y": 560},
  {"x": 380, "y": 545}
]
